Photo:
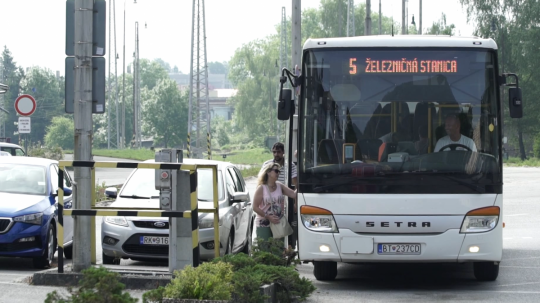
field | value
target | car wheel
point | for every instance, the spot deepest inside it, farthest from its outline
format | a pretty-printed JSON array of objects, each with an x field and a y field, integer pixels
[
  {"x": 230, "y": 242},
  {"x": 68, "y": 252},
  {"x": 486, "y": 271},
  {"x": 249, "y": 240},
  {"x": 324, "y": 270},
  {"x": 110, "y": 260},
  {"x": 45, "y": 260}
]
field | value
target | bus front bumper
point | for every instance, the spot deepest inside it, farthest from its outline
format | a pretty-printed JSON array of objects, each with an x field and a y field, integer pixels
[{"x": 450, "y": 246}]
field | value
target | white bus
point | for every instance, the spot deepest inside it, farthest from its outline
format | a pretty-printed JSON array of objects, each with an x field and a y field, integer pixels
[{"x": 399, "y": 142}]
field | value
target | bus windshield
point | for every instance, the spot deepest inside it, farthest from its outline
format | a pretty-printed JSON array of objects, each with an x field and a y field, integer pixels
[{"x": 400, "y": 120}]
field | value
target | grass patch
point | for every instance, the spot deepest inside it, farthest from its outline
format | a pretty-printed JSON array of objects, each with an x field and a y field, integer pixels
[
  {"x": 515, "y": 161},
  {"x": 255, "y": 156},
  {"x": 251, "y": 172}
]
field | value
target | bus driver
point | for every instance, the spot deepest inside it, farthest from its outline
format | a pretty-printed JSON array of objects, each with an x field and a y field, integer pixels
[{"x": 452, "y": 125}]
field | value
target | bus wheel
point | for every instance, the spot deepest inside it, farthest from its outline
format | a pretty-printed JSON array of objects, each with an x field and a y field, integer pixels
[
  {"x": 486, "y": 271},
  {"x": 324, "y": 270}
]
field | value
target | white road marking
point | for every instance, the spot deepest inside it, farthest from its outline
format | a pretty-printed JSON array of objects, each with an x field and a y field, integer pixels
[{"x": 519, "y": 284}]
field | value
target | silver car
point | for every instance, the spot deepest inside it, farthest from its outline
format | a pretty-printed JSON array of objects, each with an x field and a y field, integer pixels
[{"x": 124, "y": 237}]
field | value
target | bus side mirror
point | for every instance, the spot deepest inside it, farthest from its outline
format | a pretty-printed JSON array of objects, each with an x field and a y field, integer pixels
[
  {"x": 515, "y": 102},
  {"x": 285, "y": 104}
]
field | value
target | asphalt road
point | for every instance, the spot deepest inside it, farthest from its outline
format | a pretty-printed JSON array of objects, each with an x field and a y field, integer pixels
[{"x": 518, "y": 281}]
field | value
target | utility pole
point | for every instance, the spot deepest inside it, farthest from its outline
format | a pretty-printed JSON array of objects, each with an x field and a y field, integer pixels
[
  {"x": 367, "y": 27},
  {"x": 83, "y": 130},
  {"x": 136, "y": 92},
  {"x": 420, "y": 21},
  {"x": 2, "y": 114},
  {"x": 403, "y": 21},
  {"x": 283, "y": 58},
  {"x": 109, "y": 91},
  {"x": 123, "y": 137},
  {"x": 118, "y": 145},
  {"x": 380, "y": 18},
  {"x": 350, "y": 19},
  {"x": 199, "y": 113},
  {"x": 112, "y": 92}
]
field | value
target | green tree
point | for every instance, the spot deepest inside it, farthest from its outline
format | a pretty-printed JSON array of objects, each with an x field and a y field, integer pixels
[
  {"x": 441, "y": 28},
  {"x": 217, "y": 68},
  {"x": 253, "y": 72},
  {"x": 12, "y": 76},
  {"x": 61, "y": 133},
  {"x": 165, "y": 65},
  {"x": 48, "y": 91},
  {"x": 513, "y": 25},
  {"x": 152, "y": 72},
  {"x": 165, "y": 113}
]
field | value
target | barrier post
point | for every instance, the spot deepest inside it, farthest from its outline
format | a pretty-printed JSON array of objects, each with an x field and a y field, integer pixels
[{"x": 60, "y": 225}]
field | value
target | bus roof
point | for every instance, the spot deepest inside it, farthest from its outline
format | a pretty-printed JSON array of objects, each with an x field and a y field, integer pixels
[{"x": 401, "y": 41}]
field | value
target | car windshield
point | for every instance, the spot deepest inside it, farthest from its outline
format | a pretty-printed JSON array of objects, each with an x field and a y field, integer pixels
[
  {"x": 22, "y": 179},
  {"x": 142, "y": 184}
]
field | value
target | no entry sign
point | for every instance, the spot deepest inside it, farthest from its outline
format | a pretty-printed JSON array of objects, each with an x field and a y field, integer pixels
[{"x": 25, "y": 105}]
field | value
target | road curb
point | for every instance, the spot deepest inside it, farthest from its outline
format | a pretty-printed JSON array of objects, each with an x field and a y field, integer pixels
[{"x": 131, "y": 279}]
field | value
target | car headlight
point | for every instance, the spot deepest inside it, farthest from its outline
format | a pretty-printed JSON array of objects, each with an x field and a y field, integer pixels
[
  {"x": 121, "y": 221},
  {"x": 318, "y": 219},
  {"x": 206, "y": 222},
  {"x": 30, "y": 219},
  {"x": 481, "y": 220}
]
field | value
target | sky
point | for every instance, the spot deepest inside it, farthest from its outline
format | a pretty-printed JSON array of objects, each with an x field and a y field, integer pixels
[{"x": 34, "y": 30}]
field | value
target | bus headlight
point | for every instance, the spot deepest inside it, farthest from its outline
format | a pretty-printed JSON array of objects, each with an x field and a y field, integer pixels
[
  {"x": 318, "y": 219},
  {"x": 481, "y": 220}
]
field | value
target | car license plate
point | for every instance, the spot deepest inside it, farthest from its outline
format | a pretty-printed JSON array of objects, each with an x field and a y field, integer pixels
[
  {"x": 399, "y": 249},
  {"x": 150, "y": 240}
]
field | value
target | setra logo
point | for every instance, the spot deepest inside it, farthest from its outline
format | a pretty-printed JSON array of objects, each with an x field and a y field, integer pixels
[{"x": 399, "y": 224}]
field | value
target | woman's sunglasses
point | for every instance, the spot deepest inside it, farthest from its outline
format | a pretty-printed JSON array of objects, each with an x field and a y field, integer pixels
[{"x": 277, "y": 171}]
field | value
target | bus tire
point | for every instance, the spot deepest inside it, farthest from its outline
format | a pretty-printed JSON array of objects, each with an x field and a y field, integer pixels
[
  {"x": 486, "y": 271},
  {"x": 324, "y": 270}
]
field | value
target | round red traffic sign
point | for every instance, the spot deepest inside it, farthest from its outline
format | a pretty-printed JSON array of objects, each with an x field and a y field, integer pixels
[{"x": 25, "y": 105}]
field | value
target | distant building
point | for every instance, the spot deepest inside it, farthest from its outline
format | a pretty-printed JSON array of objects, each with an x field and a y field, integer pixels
[{"x": 219, "y": 91}]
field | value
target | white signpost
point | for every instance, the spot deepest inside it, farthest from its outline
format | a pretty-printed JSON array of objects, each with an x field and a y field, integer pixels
[
  {"x": 24, "y": 125},
  {"x": 25, "y": 105}
]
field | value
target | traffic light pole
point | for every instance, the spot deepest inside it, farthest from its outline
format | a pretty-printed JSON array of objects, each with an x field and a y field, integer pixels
[{"x": 83, "y": 131}]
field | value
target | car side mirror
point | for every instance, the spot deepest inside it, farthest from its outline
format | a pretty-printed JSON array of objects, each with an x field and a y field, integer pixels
[
  {"x": 515, "y": 103},
  {"x": 111, "y": 192},
  {"x": 67, "y": 192},
  {"x": 240, "y": 197}
]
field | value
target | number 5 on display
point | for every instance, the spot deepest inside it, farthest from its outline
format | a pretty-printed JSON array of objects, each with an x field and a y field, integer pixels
[{"x": 352, "y": 65}]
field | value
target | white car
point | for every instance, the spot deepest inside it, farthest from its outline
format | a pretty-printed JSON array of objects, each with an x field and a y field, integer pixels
[
  {"x": 4, "y": 154},
  {"x": 141, "y": 238},
  {"x": 12, "y": 149}
]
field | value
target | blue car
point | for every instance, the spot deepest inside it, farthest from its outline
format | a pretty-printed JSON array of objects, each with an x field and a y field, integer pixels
[{"x": 29, "y": 210}]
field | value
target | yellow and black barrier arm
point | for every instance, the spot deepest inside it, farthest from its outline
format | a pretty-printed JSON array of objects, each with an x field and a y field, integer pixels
[{"x": 105, "y": 211}]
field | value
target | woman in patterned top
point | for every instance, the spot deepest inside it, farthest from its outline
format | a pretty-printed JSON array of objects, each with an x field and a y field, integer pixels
[{"x": 269, "y": 200}]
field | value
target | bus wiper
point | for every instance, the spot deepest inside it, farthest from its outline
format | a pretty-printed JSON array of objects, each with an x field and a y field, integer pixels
[
  {"x": 329, "y": 186},
  {"x": 135, "y": 197},
  {"x": 478, "y": 188}
]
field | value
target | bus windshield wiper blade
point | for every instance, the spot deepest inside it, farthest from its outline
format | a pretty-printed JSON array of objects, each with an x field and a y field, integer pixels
[
  {"x": 134, "y": 197},
  {"x": 476, "y": 187}
]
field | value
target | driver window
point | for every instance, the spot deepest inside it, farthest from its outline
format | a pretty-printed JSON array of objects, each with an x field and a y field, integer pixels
[
  {"x": 230, "y": 183},
  {"x": 54, "y": 178}
]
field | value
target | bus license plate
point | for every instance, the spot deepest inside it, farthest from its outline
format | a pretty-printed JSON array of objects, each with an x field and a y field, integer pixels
[
  {"x": 399, "y": 249},
  {"x": 149, "y": 240}
]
